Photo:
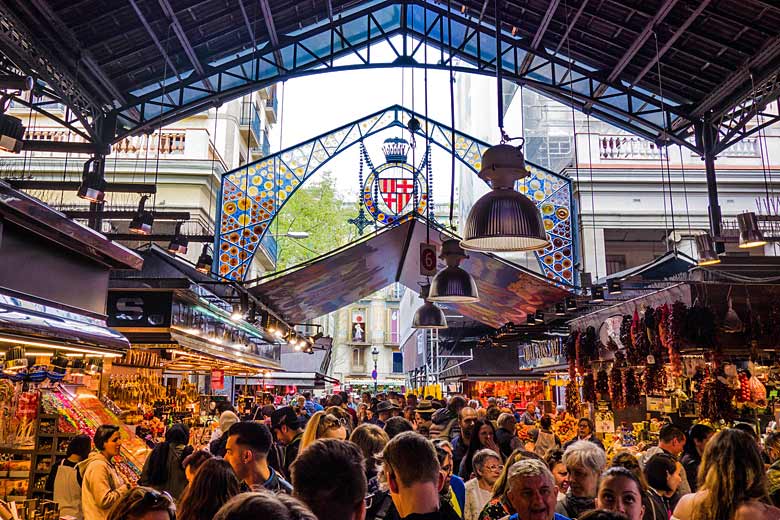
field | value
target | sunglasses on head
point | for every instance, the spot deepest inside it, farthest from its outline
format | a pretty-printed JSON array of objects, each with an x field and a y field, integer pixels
[{"x": 152, "y": 500}]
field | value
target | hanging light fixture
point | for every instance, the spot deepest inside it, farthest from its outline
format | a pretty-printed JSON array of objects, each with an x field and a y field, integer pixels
[
  {"x": 749, "y": 233},
  {"x": 571, "y": 303},
  {"x": 143, "y": 220},
  {"x": 530, "y": 318},
  {"x": 453, "y": 284},
  {"x": 15, "y": 360},
  {"x": 504, "y": 219},
  {"x": 429, "y": 315},
  {"x": 539, "y": 316},
  {"x": 596, "y": 294},
  {"x": 706, "y": 248},
  {"x": 179, "y": 243},
  {"x": 560, "y": 309},
  {"x": 204, "y": 260},
  {"x": 240, "y": 310},
  {"x": 615, "y": 287},
  {"x": 93, "y": 185}
]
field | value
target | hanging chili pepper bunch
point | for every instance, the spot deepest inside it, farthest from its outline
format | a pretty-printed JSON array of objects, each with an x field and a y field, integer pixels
[
  {"x": 589, "y": 350},
  {"x": 743, "y": 394},
  {"x": 625, "y": 333},
  {"x": 572, "y": 398},
  {"x": 616, "y": 384},
  {"x": 675, "y": 323},
  {"x": 715, "y": 398},
  {"x": 589, "y": 387},
  {"x": 571, "y": 353},
  {"x": 700, "y": 325},
  {"x": 654, "y": 379},
  {"x": 602, "y": 384},
  {"x": 651, "y": 328},
  {"x": 631, "y": 386},
  {"x": 641, "y": 346}
]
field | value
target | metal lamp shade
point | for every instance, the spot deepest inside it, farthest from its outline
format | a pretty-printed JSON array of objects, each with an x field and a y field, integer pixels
[
  {"x": 453, "y": 284},
  {"x": 749, "y": 233},
  {"x": 429, "y": 316},
  {"x": 504, "y": 220},
  {"x": 706, "y": 247},
  {"x": 596, "y": 294}
]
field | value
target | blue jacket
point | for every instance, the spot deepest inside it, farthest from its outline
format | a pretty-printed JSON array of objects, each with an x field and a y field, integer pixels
[
  {"x": 459, "y": 488},
  {"x": 557, "y": 516}
]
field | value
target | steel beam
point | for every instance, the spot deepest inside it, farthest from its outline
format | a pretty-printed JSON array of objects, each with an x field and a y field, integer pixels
[
  {"x": 178, "y": 30},
  {"x": 127, "y": 214},
  {"x": 707, "y": 135},
  {"x": 539, "y": 34},
  {"x": 37, "y": 145},
  {"x": 154, "y": 38},
  {"x": 268, "y": 17},
  {"x": 672, "y": 39},
  {"x": 156, "y": 237},
  {"x": 111, "y": 187}
]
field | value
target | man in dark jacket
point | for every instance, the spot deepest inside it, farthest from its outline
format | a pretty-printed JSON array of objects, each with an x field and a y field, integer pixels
[
  {"x": 288, "y": 433},
  {"x": 247, "y": 450},
  {"x": 445, "y": 421}
]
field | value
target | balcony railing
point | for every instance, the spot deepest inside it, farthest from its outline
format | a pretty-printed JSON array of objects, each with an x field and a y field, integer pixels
[
  {"x": 251, "y": 118},
  {"x": 625, "y": 147},
  {"x": 167, "y": 143},
  {"x": 271, "y": 108}
]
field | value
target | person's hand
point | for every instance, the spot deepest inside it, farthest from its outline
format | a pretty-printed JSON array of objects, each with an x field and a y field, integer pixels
[{"x": 491, "y": 444}]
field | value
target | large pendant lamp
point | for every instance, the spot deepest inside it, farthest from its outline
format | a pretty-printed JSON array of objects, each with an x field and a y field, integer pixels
[
  {"x": 749, "y": 233},
  {"x": 706, "y": 248},
  {"x": 429, "y": 315},
  {"x": 504, "y": 220},
  {"x": 453, "y": 284}
]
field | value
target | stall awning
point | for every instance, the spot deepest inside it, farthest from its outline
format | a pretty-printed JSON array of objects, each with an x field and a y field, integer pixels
[
  {"x": 508, "y": 291},
  {"x": 42, "y": 326},
  {"x": 300, "y": 379},
  {"x": 199, "y": 355}
]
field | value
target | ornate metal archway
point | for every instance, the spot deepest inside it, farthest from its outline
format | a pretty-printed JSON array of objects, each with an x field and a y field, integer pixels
[{"x": 251, "y": 196}]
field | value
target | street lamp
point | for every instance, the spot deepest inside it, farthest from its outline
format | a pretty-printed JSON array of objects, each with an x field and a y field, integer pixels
[{"x": 375, "y": 357}]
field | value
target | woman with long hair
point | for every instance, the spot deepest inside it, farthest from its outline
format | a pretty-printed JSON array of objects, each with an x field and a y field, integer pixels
[
  {"x": 664, "y": 475},
  {"x": 371, "y": 439},
  {"x": 695, "y": 442},
  {"x": 322, "y": 425},
  {"x": 732, "y": 482},
  {"x": 214, "y": 484},
  {"x": 268, "y": 506},
  {"x": 620, "y": 491},
  {"x": 163, "y": 469},
  {"x": 484, "y": 436},
  {"x": 772, "y": 450}
]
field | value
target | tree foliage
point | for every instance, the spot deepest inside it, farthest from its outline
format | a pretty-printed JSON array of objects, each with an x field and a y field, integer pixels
[{"x": 319, "y": 210}]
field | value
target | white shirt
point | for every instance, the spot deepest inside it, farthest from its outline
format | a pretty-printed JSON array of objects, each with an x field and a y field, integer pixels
[{"x": 476, "y": 498}]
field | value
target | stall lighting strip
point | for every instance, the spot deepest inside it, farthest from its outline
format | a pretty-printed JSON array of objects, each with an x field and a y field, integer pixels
[{"x": 16, "y": 341}]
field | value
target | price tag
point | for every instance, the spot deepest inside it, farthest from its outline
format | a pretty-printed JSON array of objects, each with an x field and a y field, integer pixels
[{"x": 428, "y": 262}]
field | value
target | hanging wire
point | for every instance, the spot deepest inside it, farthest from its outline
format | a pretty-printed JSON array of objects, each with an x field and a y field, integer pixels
[
  {"x": 592, "y": 202},
  {"x": 662, "y": 149},
  {"x": 685, "y": 190},
  {"x": 761, "y": 143},
  {"x": 429, "y": 204},
  {"x": 452, "y": 116},
  {"x": 213, "y": 169},
  {"x": 159, "y": 130}
]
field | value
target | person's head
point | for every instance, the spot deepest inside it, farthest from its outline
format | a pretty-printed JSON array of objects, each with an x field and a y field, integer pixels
[
  {"x": 336, "y": 400},
  {"x": 366, "y": 397},
  {"x": 330, "y": 477},
  {"x": 214, "y": 484},
  {"x": 747, "y": 428},
  {"x": 371, "y": 439},
  {"x": 487, "y": 466},
  {"x": 108, "y": 440},
  {"x": 506, "y": 421},
  {"x": 444, "y": 454},
  {"x": 663, "y": 473},
  {"x": 484, "y": 432},
  {"x": 671, "y": 439},
  {"x": 620, "y": 491},
  {"x": 226, "y": 420},
  {"x": 466, "y": 418},
  {"x": 456, "y": 404},
  {"x": 396, "y": 425},
  {"x": 772, "y": 446},
  {"x": 79, "y": 446},
  {"x": 530, "y": 407},
  {"x": 492, "y": 413},
  {"x": 178, "y": 435},
  {"x": 696, "y": 440},
  {"x": 603, "y": 514},
  {"x": 626, "y": 459},
  {"x": 143, "y": 503},
  {"x": 585, "y": 462},
  {"x": 554, "y": 460},
  {"x": 322, "y": 425},
  {"x": 343, "y": 416},
  {"x": 285, "y": 424},
  {"x": 532, "y": 490},
  {"x": 247, "y": 448},
  {"x": 499, "y": 488},
  {"x": 193, "y": 462},
  {"x": 732, "y": 472},
  {"x": 585, "y": 427},
  {"x": 545, "y": 422},
  {"x": 268, "y": 506},
  {"x": 384, "y": 410},
  {"x": 410, "y": 467}
]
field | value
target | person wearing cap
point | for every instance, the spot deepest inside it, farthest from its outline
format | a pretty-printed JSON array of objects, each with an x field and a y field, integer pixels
[
  {"x": 288, "y": 432},
  {"x": 423, "y": 416},
  {"x": 384, "y": 410},
  {"x": 226, "y": 420}
]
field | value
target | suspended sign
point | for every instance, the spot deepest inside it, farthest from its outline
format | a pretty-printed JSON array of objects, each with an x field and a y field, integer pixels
[
  {"x": 217, "y": 379},
  {"x": 427, "y": 260}
]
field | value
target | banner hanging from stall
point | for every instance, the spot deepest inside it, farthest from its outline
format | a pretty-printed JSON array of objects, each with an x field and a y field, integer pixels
[{"x": 217, "y": 379}]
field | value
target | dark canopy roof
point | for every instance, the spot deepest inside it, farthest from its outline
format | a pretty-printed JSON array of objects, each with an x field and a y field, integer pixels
[
  {"x": 149, "y": 62},
  {"x": 507, "y": 291}
]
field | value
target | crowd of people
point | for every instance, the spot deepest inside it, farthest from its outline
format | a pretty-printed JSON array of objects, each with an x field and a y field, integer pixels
[{"x": 399, "y": 457}]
